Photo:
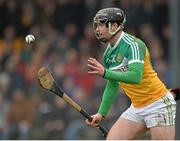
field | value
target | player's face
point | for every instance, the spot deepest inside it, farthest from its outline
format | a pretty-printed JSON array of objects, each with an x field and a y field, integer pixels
[{"x": 101, "y": 32}]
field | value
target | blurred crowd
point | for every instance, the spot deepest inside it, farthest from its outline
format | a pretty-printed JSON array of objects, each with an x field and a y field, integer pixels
[{"x": 64, "y": 41}]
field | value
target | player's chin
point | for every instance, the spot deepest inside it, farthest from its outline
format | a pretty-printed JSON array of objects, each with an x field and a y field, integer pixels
[
  {"x": 104, "y": 40},
  {"x": 100, "y": 37}
]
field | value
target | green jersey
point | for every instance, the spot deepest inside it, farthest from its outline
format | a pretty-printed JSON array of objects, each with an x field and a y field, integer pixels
[
  {"x": 128, "y": 64},
  {"x": 124, "y": 52}
]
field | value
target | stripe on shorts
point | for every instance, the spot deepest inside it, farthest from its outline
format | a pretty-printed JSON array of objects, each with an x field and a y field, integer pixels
[{"x": 169, "y": 109}]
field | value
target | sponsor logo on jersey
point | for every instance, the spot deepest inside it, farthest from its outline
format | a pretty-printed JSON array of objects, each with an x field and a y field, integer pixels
[{"x": 122, "y": 67}]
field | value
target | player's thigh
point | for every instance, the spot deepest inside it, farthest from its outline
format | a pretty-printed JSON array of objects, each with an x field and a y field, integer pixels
[
  {"x": 126, "y": 129},
  {"x": 163, "y": 133}
]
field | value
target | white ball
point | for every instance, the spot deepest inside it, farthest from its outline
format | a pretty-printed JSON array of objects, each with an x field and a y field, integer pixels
[{"x": 30, "y": 39}]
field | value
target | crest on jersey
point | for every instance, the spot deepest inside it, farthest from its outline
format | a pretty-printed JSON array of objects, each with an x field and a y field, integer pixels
[{"x": 119, "y": 57}]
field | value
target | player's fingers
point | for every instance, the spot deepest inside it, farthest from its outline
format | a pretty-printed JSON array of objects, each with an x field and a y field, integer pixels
[
  {"x": 92, "y": 59},
  {"x": 88, "y": 122},
  {"x": 93, "y": 120},
  {"x": 97, "y": 126},
  {"x": 92, "y": 72},
  {"x": 94, "y": 62},
  {"x": 91, "y": 62},
  {"x": 92, "y": 67},
  {"x": 91, "y": 123}
]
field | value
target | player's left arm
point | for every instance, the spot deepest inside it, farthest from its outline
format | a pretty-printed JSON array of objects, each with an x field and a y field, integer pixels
[
  {"x": 135, "y": 54},
  {"x": 134, "y": 74}
]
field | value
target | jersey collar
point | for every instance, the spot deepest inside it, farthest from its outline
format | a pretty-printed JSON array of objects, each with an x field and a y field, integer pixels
[{"x": 117, "y": 42}]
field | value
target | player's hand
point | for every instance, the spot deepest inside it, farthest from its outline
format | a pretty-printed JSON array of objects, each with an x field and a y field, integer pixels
[
  {"x": 96, "y": 67},
  {"x": 95, "y": 118}
]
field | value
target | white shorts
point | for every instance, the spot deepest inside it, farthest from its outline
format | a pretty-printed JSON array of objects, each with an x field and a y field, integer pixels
[{"x": 159, "y": 113}]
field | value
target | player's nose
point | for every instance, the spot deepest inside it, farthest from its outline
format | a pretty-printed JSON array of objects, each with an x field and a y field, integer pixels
[{"x": 97, "y": 29}]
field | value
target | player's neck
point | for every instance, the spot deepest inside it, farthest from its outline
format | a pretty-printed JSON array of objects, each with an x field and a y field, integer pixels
[{"x": 115, "y": 38}]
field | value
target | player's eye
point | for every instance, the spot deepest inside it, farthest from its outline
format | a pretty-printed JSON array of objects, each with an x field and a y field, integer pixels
[{"x": 103, "y": 20}]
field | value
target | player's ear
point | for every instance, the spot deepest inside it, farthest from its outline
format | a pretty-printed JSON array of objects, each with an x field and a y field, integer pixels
[{"x": 114, "y": 26}]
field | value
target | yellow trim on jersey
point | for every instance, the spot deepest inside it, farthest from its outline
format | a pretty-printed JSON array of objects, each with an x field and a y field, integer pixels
[{"x": 150, "y": 88}]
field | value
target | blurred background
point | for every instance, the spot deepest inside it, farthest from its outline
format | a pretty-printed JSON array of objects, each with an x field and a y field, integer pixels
[{"x": 64, "y": 42}]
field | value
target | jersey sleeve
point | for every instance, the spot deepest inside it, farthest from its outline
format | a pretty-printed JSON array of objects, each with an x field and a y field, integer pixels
[
  {"x": 136, "y": 52},
  {"x": 109, "y": 96},
  {"x": 132, "y": 76}
]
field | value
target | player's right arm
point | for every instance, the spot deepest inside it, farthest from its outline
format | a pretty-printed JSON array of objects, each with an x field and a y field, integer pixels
[{"x": 109, "y": 95}]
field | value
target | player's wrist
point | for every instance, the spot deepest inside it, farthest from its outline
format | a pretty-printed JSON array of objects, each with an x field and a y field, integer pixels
[
  {"x": 104, "y": 73},
  {"x": 107, "y": 74},
  {"x": 101, "y": 115},
  {"x": 102, "y": 111}
]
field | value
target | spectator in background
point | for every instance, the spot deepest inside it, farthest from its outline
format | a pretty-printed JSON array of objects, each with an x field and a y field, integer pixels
[
  {"x": 3, "y": 110},
  {"x": 20, "y": 116}
]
